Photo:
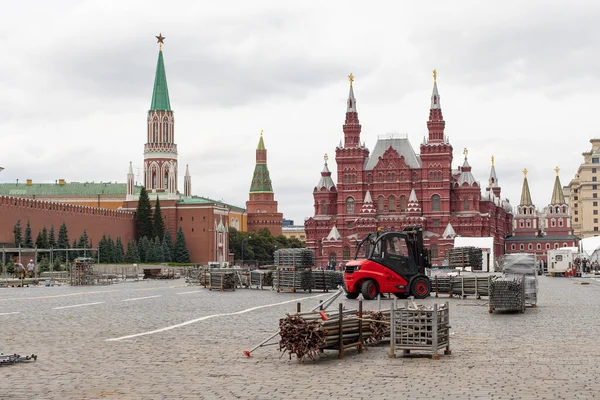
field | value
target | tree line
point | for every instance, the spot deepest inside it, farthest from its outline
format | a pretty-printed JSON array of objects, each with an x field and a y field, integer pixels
[{"x": 257, "y": 248}]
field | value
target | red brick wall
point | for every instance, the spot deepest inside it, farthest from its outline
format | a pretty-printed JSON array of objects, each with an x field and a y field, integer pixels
[{"x": 96, "y": 221}]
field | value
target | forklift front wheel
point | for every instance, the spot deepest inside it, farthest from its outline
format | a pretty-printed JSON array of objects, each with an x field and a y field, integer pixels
[
  {"x": 369, "y": 290},
  {"x": 420, "y": 287}
]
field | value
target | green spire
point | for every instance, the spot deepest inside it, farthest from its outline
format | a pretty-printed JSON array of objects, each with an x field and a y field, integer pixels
[
  {"x": 160, "y": 95},
  {"x": 261, "y": 181}
]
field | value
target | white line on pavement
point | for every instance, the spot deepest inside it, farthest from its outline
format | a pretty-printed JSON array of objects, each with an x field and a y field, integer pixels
[
  {"x": 142, "y": 298},
  {"x": 79, "y": 305},
  {"x": 195, "y": 291},
  {"x": 10, "y": 313},
  {"x": 193, "y": 321}
]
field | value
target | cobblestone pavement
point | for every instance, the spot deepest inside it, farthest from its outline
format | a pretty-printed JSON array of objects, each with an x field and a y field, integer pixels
[{"x": 549, "y": 352}]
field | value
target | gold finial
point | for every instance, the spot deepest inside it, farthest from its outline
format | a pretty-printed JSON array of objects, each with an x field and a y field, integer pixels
[
  {"x": 525, "y": 172},
  {"x": 351, "y": 79},
  {"x": 160, "y": 39},
  {"x": 557, "y": 169},
  {"x": 434, "y": 76},
  {"x": 465, "y": 152},
  {"x": 326, "y": 157},
  {"x": 492, "y": 161},
  {"x": 261, "y": 132}
]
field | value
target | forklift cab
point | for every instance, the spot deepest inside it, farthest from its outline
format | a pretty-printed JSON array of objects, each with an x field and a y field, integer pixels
[{"x": 393, "y": 251}]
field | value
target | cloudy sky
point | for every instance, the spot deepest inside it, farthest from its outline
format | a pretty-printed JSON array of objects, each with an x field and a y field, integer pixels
[{"x": 517, "y": 79}]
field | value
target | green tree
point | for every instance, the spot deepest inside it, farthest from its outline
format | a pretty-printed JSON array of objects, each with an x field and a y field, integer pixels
[
  {"x": 39, "y": 241},
  {"x": 151, "y": 255},
  {"x": 45, "y": 239},
  {"x": 74, "y": 254},
  {"x": 18, "y": 234},
  {"x": 84, "y": 244},
  {"x": 143, "y": 216},
  {"x": 157, "y": 219},
  {"x": 43, "y": 264},
  {"x": 167, "y": 244},
  {"x": 28, "y": 240},
  {"x": 181, "y": 254},
  {"x": 52, "y": 237},
  {"x": 119, "y": 251},
  {"x": 158, "y": 250},
  {"x": 132, "y": 255},
  {"x": 63, "y": 242},
  {"x": 143, "y": 247},
  {"x": 103, "y": 256},
  {"x": 111, "y": 249}
]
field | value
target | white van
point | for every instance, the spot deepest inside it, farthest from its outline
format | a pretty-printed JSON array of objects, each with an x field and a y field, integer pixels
[{"x": 559, "y": 261}]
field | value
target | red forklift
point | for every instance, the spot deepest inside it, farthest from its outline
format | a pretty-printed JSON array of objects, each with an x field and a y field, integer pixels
[{"x": 389, "y": 262}]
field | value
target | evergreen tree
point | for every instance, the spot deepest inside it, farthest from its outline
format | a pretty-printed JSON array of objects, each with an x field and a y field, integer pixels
[
  {"x": 158, "y": 222},
  {"x": 132, "y": 255},
  {"x": 158, "y": 250},
  {"x": 110, "y": 248},
  {"x": 181, "y": 254},
  {"x": 84, "y": 244},
  {"x": 167, "y": 244},
  {"x": 103, "y": 257},
  {"x": 143, "y": 216},
  {"x": 28, "y": 240},
  {"x": 151, "y": 253},
  {"x": 45, "y": 239},
  {"x": 18, "y": 234},
  {"x": 136, "y": 252},
  {"x": 39, "y": 241},
  {"x": 143, "y": 247},
  {"x": 119, "y": 251},
  {"x": 52, "y": 237},
  {"x": 63, "y": 241},
  {"x": 74, "y": 254}
]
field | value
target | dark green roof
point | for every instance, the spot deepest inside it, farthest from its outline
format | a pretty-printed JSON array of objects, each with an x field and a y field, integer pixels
[
  {"x": 206, "y": 200},
  {"x": 261, "y": 182},
  {"x": 67, "y": 189},
  {"x": 160, "y": 95}
]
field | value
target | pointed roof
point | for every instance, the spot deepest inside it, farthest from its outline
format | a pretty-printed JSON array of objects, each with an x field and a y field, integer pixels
[
  {"x": 557, "y": 194},
  {"x": 325, "y": 181},
  {"x": 465, "y": 173},
  {"x": 334, "y": 234},
  {"x": 413, "y": 196},
  {"x": 130, "y": 168},
  {"x": 493, "y": 180},
  {"x": 368, "y": 198},
  {"x": 367, "y": 206},
  {"x": 160, "y": 94},
  {"x": 351, "y": 101},
  {"x": 435, "y": 96},
  {"x": 525, "y": 195},
  {"x": 187, "y": 170},
  {"x": 261, "y": 143},
  {"x": 449, "y": 231}
]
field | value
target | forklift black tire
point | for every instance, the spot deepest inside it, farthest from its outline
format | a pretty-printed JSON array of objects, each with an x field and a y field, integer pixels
[
  {"x": 420, "y": 287},
  {"x": 352, "y": 296},
  {"x": 369, "y": 290}
]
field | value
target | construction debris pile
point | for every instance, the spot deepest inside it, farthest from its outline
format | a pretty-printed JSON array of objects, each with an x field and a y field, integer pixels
[
  {"x": 507, "y": 294},
  {"x": 462, "y": 257},
  {"x": 15, "y": 358},
  {"x": 523, "y": 265},
  {"x": 420, "y": 328},
  {"x": 380, "y": 325}
]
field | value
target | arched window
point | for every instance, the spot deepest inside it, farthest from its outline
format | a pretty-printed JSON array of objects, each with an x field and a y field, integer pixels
[
  {"x": 529, "y": 223},
  {"x": 380, "y": 204},
  {"x": 350, "y": 205},
  {"x": 414, "y": 176},
  {"x": 155, "y": 131},
  {"x": 153, "y": 179},
  {"x": 165, "y": 131},
  {"x": 539, "y": 246},
  {"x": 521, "y": 224},
  {"x": 547, "y": 246},
  {"x": 564, "y": 210},
  {"x": 380, "y": 177},
  {"x": 435, "y": 203},
  {"x": 522, "y": 247},
  {"x": 369, "y": 178},
  {"x": 530, "y": 246},
  {"x": 346, "y": 253},
  {"x": 392, "y": 204},
  {"x": 556, "y": 245},
  {"x": 166, "y": 181},
  {"x": 402, "y": 176},
  {"x": 403, "y": 203},
  {"x": 560, "y": 222},
  {"x": 323, "y": 208},
  {"x": 434, "y": 251},
  {"x": 466, "y": 204},
  {"x": 553, "y": 223},
  {"x": 514, "y": 246}
]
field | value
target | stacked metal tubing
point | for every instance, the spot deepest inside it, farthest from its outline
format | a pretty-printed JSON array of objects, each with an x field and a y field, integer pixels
[
  {"x": 461, "y": 285},
  {"x": 260, "y": 279},
  {"x": 308, "y": 334},
  {"x": 507, "y": 294},
  {"x": 465, "y": 257},
  {"x": 222, "y": 281}
]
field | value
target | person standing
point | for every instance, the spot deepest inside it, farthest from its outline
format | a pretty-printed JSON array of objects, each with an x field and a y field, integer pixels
[
  {"x": 30, "y": 269},
  {"x": 20, "y": 271}
]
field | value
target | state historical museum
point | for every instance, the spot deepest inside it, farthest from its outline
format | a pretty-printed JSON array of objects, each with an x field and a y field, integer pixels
[{"x": 393, "y": 187}]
